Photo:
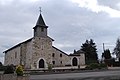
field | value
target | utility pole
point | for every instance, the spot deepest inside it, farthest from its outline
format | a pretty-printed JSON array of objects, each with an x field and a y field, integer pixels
[{"x": 103, "y": 47}]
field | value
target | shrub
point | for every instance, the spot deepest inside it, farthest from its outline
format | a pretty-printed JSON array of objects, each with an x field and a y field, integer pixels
[
  {"x": 50, "y": 67},
  {"x": 9, "y": 69},
  {"x": 19, "y": 70},
  {"x": 96, "y": 66},
  {"x": 2, "y": 68},
  {"x": 88, "y": 62},
  {"x": 88, "y": 67},
  {"x": 102, "y": 65}
]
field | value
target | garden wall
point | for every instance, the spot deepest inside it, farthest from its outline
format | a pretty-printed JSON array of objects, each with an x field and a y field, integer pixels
[{"x": 13, "y": 77}]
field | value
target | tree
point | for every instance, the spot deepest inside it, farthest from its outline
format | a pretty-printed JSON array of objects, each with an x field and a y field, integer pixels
[
  {"x": 107, "y": 57},
  {"x": 106, "y": 54},
  {"x": 1, "y": 64},
  {"x": 89, "y": 47},
  {"x": 117, "y": 48},
  {"x": 75, "y": 51}
]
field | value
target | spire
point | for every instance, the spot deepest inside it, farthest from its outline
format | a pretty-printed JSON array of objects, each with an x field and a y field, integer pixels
[
  {"x": 40, "y": 21},
  {"x": 40, "y": 29}
]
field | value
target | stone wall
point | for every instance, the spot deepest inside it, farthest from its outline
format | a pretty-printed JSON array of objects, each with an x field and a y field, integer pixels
[
  {"x": 12, "y": 56},
  {"x": 82, "y": 59},
  {"x": 26, "y": 54},
  {"x": 13, "y": 77},
  {"x": 60, "y": 58},
  {"x": 42, "y": 49}
]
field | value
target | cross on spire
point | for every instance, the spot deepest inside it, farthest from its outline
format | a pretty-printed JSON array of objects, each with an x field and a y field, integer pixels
[{"x": 40, "y": 9}]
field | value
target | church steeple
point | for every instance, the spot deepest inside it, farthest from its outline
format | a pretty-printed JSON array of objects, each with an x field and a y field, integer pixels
[
  {"x": 40, "y": 30},
  {"x": 40, "y": 21}
]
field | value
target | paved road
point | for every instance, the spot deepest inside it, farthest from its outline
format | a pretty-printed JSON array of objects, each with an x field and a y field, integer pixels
[{"x": 103, "y": 75}]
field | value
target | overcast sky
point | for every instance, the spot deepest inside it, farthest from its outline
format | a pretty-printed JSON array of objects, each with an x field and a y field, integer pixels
[{"x": 70, "y": 22}]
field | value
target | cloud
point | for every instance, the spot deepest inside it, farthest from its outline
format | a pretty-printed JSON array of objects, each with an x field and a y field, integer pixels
[
  {"x": 69, "y": 24},
  {"x": 95, "y": 7}
]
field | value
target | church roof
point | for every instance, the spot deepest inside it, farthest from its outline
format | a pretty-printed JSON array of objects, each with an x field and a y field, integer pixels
[
  {"x": 40, "y": 21},
  {"x": 74, "y": 54},
  {"x": 22, "y": 43},
  {"x": 60, "y": 50},
  {"x": 18, "y": 45}
]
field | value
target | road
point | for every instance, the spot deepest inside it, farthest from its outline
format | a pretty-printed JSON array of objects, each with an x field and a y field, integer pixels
[{"x": 101, "y": 75}]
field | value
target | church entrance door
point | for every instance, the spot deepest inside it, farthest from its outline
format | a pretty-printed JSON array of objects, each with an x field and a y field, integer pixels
[
  {"x": 41, "y": 63},
  {"x": 74, "y": 61}
]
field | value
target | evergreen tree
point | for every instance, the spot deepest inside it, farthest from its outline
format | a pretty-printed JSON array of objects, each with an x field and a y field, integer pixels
[
  {"x": 117, "y": 48},
  {"x": 106, "y": 54},
  {"x": 89, "y": 47},
  {"x": 75, "y": 51},
  {"x": 107, "y": 57},
  {"x": 1, "y": 64}
]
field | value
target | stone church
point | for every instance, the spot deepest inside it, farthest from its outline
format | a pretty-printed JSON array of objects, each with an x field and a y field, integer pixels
[{"x": 38, "y": 51}]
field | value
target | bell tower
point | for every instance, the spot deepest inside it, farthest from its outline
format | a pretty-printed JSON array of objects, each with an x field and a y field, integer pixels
[{"x": 40, "y": 30}]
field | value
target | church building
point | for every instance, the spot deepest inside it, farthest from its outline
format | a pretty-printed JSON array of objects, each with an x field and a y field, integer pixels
[{"x": 38, "y": 51}]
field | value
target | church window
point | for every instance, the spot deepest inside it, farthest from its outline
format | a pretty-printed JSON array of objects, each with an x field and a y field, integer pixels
[
  {"x": 15, "y": 54},
  {"x": 42, "y": 29},
  {"x": 60, "y": 55},
  {"x": 53, "y": 54},
  {"x": 53, "y": 62},
  {"x": 42, "y": 47},
  {"x": 61, "y": 62}
]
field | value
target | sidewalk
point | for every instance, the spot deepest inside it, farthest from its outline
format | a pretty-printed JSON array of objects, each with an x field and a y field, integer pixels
[{"x": 114, "y": 68}]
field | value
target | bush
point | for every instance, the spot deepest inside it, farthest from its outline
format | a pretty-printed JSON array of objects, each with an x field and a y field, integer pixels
[
  {"x": 88, "y": 67},
  {"x": 2, "y": 68},
  {"x": 19, "y": 70},
  {"x": 9, "y": 69},
  {"x": 88, "y": 62},
  {"x": 96, "y": 66},
  {"x": 102, "y": 65},
  {"x": 50, "y": 67}
]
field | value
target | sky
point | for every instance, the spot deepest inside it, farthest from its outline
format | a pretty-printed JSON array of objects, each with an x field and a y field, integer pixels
[{"x": 70, "y": 22}]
